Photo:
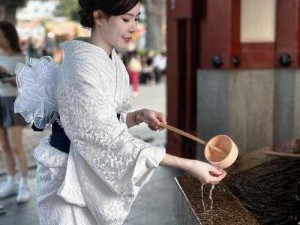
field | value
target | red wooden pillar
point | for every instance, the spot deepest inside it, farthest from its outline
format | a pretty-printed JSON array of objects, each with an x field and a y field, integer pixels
[
  {"x": 182, "y": 56},
  {"x": 288, "y": 31},
  {"x": 220, "y": 36},
  {"x": 267, "y": 55},
  {"x": 219, "y": 32}
]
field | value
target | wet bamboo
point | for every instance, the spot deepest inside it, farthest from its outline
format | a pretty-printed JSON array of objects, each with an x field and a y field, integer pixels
[{"x": 283, "y": 154}]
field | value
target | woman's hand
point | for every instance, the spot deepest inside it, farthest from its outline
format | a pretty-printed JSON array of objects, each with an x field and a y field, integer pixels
[
  {"x": 152, "y": 118},
  {"x": 205, "y": 172}
]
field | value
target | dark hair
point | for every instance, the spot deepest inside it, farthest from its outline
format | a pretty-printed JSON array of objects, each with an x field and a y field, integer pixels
[
  {"x": 10, "y": 33},
  {"x": 109, "y": 7},
  {"x": 149, "y": 61}
]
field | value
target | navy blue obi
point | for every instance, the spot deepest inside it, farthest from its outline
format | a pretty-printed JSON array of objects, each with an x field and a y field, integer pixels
[{"x": 58, "y": 138}]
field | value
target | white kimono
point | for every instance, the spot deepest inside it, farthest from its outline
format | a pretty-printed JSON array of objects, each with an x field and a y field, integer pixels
[{"x": 106, "y": 167}]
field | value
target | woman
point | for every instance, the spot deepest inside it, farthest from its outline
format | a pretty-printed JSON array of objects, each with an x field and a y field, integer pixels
[
  {"x": 92, "y": 174},
  {"x": 11, "y": 124}
]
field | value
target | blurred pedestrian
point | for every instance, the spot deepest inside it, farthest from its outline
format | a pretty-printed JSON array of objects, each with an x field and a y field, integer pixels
[
  {"x": 2, "y": 210},
  {"x": 11, "y": 124},
  {"x": 134, "y": 70},
  {"x": 32, "y": 51},
  {"x": 147, "y": 73},
  {"x": 160, "y": 65},
  {"x": 47, "y": 47}
]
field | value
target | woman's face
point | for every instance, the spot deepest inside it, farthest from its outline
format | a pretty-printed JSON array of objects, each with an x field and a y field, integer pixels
[{"x": 116, "y": 31}]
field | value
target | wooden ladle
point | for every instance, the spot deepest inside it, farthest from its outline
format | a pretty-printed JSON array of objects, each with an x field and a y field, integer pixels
[
  {"x": 183, "y": 133},
  {"x": 190, "y": 136},
  {"x": 221, "y": 158}
]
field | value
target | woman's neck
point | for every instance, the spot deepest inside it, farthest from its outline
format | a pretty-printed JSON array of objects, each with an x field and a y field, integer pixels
[{"x": 96, "y": 40}]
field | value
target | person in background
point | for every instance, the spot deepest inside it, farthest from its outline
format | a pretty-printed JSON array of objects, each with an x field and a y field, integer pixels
[
  {"x": 134, "y": 69},
  {"x": 160, "y": 65},
  {"x": 147, "y": 73},
  {"x": 2, "y": 210},
  {"x": 32, "y": 51},
  {"x": 47, "y": 47},
  {"x": 11, "y": 124}
]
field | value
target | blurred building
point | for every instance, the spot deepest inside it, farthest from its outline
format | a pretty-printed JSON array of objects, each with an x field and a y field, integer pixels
[
  {"x": 30, "y": 18},
  {"x": 38, "y": 10},
  {"x": 233, "y": 68},
  {"x": 38, "y": 24}
]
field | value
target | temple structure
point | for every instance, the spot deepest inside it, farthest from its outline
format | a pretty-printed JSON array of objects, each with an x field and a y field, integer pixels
[{"x": 233, "y": 68}]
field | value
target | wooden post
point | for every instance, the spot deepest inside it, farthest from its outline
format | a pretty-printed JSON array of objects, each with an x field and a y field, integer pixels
[
  {"x": 288, "y": 32},
  {"x": 181, "y": 73}
]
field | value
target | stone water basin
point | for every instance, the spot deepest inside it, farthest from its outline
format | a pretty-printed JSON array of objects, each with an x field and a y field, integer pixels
[
  {"x": 227, "y": 209},
  {"x": 257, "y": 191}
]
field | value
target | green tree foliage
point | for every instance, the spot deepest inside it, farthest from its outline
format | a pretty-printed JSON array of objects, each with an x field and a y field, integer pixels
[
  {"x": 155, "y": 13},
  {"x": 10, "y": 7},
  {"x": 68, "y": 8}
]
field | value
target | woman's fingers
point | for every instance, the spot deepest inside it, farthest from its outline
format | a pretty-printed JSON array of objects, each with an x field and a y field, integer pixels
[
  {"x": 161, "y": 117},
  {"x": 216, "y": 171},
  {"x": 153, "y": 119},
  {"x": 216, "y": 175},
  {"x": 154, "y": 127}
]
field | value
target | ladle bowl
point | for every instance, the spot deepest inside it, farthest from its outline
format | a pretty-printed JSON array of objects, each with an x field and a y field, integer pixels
[{"x": 226, "y": 152}]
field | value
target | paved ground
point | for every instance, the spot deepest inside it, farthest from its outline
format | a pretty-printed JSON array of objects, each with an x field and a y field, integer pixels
[{"x": 154, "y": 204}]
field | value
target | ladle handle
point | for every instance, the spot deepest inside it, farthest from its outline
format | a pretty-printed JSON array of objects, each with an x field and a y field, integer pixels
[
  {"x": 183, "y": 133},
  {"x": 190, "y": 136}
]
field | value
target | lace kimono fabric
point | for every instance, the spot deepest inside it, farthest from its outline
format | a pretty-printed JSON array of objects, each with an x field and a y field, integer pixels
[{"x": 106, "y": 167}]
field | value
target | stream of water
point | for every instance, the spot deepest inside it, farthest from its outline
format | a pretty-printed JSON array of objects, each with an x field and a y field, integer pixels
[{"x": 210, "y": 196}]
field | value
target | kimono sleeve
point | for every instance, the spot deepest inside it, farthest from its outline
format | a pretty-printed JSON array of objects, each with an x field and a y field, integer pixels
[{"x": 102, "y": 146}]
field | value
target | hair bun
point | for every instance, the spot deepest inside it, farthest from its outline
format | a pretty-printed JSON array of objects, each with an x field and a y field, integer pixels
[
  {"x": 109, "y": 7},
  {"x": 86, "y": 18},
  {"x": 83, "y": 3}
]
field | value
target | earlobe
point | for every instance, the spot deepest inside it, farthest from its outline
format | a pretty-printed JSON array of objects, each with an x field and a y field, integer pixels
[{"x": 98, "y": 17}]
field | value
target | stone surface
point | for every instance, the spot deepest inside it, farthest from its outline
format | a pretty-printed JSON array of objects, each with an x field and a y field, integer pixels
[
  {"x": 226, "y": 208},
  {"x": 257, "y": 190},
  {"x": 268, "y": 190}
]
